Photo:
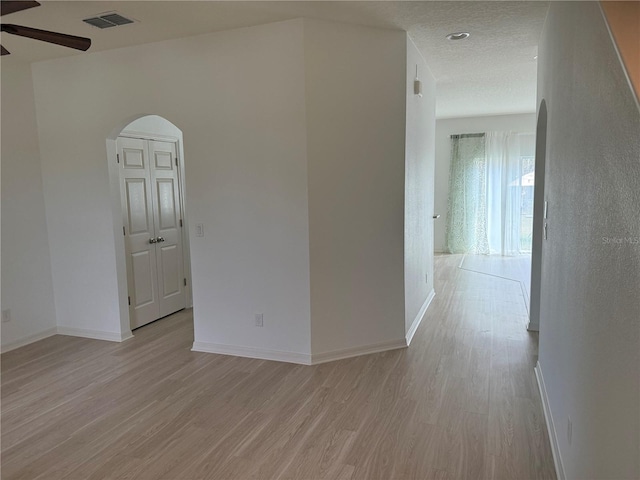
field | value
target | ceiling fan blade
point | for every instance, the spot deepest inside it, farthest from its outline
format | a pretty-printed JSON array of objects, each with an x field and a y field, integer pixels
[
  {"x": 71, "y": 41},
  {"x": 15, "y": 6},
  {"x": 4, "y": 51}
]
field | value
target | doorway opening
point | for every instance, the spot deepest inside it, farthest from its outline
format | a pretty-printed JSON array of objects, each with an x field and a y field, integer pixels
[
  {"x": 490, "y": 200},
  {"x": 152, "y": 246}
]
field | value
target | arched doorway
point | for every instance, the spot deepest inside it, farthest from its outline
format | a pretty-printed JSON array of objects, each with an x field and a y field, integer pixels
[{"x": 146, "y": 170}]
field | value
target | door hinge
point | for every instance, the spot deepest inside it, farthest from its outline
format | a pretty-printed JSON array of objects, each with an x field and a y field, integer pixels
[
  {"x": 123, "y": 232},
  {"x": 180, "y": 223},
  {"x": 185, "y": 282},
  {"x": 118, "y": 157},
  {"x": 129, "y": 300},
  {"x": 176, "y": 161}
]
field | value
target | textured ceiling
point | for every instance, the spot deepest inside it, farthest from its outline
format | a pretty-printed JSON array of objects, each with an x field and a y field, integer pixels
[{"x": 491, "y": 72}]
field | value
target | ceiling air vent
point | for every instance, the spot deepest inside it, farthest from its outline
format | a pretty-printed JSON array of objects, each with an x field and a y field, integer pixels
[{"x": 107, "y": 20}]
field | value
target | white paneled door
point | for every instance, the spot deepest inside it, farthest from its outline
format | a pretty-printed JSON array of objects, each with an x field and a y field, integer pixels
[{"x": 152, "y": 228}]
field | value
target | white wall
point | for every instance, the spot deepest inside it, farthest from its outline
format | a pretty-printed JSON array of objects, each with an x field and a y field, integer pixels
[
  {"x": 590, "y": 314},
  {"x": 238, "y": 97},
  {"x": 26, "y": 265},
  {"x": 450, "y": 126},
  {"x": 355, "y": 93},
  {"x": 294, "y": 138},
  {"x": 419, "y": 190}
]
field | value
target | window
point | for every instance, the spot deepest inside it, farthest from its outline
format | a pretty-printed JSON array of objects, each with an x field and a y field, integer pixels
[{"x": 490, "y": 207}]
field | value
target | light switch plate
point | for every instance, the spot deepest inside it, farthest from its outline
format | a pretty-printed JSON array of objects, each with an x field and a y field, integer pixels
[{"x": 199, "y": 229}]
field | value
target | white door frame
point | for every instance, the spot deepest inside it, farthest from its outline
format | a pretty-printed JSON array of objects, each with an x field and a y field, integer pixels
[{"x": 116, "y": 210}]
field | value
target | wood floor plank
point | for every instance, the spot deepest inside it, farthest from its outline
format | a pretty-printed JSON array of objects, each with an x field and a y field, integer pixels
[{"x": 460, "y": 403}]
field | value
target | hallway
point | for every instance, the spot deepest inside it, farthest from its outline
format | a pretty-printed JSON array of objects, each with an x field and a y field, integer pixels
[{"x": 460, "y": 402}]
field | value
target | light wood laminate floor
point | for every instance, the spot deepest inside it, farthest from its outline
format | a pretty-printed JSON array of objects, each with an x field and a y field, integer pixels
[
  {"x": 516, "y": 268},
  {"x": 460, "y": 403}
]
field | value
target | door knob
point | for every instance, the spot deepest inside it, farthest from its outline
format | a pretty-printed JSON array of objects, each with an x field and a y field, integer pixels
[
  {"x": 160, "y": 239},
  {"x": 437, "y": 215},
  {"x": 152, "y": 240}
]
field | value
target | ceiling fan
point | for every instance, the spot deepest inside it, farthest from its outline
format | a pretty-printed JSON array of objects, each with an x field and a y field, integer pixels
[{"x": 71, "y": 41}]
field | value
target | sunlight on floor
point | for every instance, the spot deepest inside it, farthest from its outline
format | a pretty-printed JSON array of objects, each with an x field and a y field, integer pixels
[{"x": 516, "y": 268}]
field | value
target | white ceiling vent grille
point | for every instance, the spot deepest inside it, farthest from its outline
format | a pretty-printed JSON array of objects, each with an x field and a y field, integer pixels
[{"x": 107, "y": 20}]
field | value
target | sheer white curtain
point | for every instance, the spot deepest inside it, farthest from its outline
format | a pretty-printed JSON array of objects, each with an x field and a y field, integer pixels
[
  {"x": 466, "y": 209},
  {"x": 486, "y": 192}
]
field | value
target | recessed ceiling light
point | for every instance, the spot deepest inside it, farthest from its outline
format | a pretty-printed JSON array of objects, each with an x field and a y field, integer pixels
[{"x": 458, "y": 36}]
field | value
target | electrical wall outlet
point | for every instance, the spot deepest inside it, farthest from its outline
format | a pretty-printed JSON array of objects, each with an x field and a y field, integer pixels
[
  {"x": 259, "y": 319},
  {"x": 6, "y": 316},
  {"x": 569, "y": 430}
]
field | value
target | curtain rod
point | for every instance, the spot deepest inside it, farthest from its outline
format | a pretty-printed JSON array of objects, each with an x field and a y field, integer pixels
[{"x": 467, "y": 135}]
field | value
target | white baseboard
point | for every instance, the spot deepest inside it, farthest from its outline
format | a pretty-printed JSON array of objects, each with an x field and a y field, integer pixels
[
  {"x": 29, "y": 339},
  {"x": 95, "y": 334},
  {"x": 128, "y": 335},
  {"x": 250, "y": 352},
  {"x": 420, "y": 316},
  {"x": 551, "y": 429},
  {"x": 294, "y": 357},
  {"x": 317, "y": 358}
]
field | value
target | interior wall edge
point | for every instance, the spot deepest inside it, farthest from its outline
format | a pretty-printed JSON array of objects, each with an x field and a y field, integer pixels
[{"x": 420, "y": 316}]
